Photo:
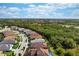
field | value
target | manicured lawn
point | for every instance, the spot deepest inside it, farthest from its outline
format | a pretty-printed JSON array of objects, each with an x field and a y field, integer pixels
[
  {"x": 9, "y": 53},
  {"x": 16, "y": 45},
  {"x": 18, "y": 39}
]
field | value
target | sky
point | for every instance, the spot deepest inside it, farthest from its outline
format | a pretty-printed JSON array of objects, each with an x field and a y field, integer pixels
[{"x": 39, "y": 10}]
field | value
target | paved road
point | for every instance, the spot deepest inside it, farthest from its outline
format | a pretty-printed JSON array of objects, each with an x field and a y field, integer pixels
[{"x": 24, "y": 43}]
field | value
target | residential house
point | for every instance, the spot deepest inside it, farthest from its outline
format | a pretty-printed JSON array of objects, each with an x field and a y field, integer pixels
[
  {"x": 39, "y": 44},
  {"x": 39, "y": 49},
  {"x": 27, "y": 31},
  {"x": 20, "y": 29},
  {"x": 35, "y": 35},
  {"x": 9, "y": 37},
  {"x": 4, "y": 47},
  {"x": 7, "y": 28},
  {"x": 38, "y": 40},
  {"x": 8, "y": 33},
  {"x": 14, "y": 27}
]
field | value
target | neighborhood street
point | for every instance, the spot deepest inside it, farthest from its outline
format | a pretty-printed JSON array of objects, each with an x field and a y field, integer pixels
[{"x": 24, "y": 43}]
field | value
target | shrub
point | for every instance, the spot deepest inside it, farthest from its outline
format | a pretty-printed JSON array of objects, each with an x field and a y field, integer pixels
[
  {"x": 70, "y": 53},
  {"x": 60, "y": 51},
  {"x": 69, "y": 43}
]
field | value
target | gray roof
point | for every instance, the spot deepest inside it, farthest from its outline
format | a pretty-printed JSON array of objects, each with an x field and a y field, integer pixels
[
  {"x": 4, "y": 47},
  {"x": 37, "y": 40},
  {"x": 8, "y": 42}
]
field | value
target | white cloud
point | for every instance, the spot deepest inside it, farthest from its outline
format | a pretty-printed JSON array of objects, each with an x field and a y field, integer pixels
[
  {"x": 38, "y": 11},
  {"x": 75, "y": 13},
  {"x": 13, "y": 9},
  {"x": 32, "y": 5},
  {"x": 9, "y": 12},
  {"x": 63, "y": 5}
]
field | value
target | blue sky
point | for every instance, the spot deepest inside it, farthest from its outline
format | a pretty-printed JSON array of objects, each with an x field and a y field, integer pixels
[{"x": 39, "y": 10}]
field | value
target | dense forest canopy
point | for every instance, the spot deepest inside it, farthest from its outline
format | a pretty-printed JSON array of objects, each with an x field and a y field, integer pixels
[{"x": 61, "y": 40}]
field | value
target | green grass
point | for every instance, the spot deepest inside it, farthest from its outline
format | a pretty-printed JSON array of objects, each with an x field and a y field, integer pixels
[
  {"x": 18, "y": 39},
  {"x": 9, "y": 53},
  {"x": 52, "y": 50},
  {"x": 16, "y": 45}
]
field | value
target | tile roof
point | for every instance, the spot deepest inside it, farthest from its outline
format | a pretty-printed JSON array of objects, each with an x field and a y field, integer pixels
[
  {"x": 8, "y": 33},
  {"x": 35, "y": 35},
  {"x": 10, "y": 38},
  {"x": 39, "y": 52},
  {"x": 42, "y": 52},
  {"x": 39, "y": 44},
  {"x": 8, "y": 42}
]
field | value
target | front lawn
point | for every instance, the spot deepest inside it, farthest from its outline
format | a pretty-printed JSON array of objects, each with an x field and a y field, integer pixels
[
  {"x": 16, "y": 45},
  {"x": 9, "y": 53},
  {"x": 18, "y": 39}
]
